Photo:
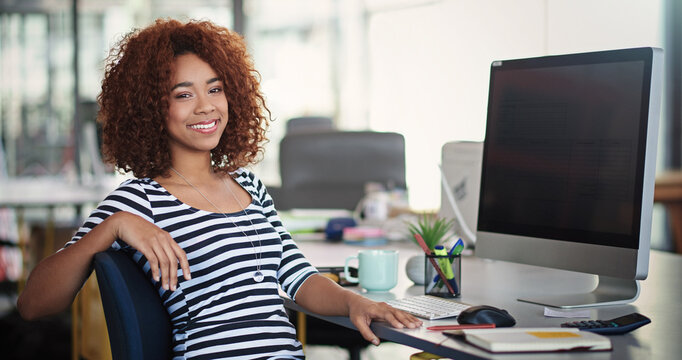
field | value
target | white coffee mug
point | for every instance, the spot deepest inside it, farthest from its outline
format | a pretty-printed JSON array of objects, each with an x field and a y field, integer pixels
[{"x": 377, "y": 269}]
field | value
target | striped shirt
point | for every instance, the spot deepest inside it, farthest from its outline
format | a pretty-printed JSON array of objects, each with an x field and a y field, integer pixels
[{"x": 221, "y": 313}]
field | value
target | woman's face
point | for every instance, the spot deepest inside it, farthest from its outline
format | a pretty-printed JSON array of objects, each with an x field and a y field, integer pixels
[{"x": 197, "y": 113}]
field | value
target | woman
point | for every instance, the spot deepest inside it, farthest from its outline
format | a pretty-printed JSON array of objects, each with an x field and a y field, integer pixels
[{"x": 181, "y": 109}]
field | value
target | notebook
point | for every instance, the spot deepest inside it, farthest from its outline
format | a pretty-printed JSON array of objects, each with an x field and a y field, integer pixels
[{"x": 536, "y": 340}]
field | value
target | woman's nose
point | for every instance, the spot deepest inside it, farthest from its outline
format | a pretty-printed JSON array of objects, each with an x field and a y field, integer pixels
[{"x": 204, "y": 105}]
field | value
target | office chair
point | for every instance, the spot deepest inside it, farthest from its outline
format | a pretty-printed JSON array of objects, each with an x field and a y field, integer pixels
[
  {"x": 138, "y": 323},
  {"x": 309, "y": 124},
  {"x": 330, "y": 169}
]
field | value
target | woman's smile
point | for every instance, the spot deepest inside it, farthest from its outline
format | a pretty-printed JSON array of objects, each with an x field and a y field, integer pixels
[{"x": 205, "y": 127}]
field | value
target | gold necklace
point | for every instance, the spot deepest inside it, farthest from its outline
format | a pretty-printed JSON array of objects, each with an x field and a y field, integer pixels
[{"x": 258, "y": 275}]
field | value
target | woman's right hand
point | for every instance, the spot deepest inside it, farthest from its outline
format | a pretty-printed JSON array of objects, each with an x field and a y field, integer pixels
[
  {"x": 55, "y": 281},
  {"x": 161, "y": 251}
]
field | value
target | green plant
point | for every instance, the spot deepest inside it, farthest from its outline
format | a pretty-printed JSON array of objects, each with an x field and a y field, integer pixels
[{"x": 433, "y": 230}]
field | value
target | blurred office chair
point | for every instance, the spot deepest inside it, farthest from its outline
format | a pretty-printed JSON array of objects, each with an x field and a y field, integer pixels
[
  {"x": 310, "y": 124},
  {"x": 302, "y": 124},
  {"x": 138, "y": 323},
  {"x": 330, "y": 169}
]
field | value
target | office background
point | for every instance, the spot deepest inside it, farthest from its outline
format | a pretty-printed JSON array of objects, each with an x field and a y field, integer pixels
[{"x": 417, "y": 67}]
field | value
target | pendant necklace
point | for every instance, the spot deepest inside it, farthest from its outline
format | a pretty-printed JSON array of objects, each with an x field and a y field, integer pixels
[{"x": 258, "y": 275}]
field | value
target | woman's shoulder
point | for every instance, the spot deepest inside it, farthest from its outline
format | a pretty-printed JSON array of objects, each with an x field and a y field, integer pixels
[
  {"x": 249, "y": 181},
  {"x": 138, "y": 182},
  {"x": 137, "y": 185},
  {"x": 245, "y": 176},
  {"x": 131, "y": 195}
]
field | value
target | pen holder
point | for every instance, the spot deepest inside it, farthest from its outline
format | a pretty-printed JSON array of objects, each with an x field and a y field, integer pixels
[{"x": 450, "y": 266}]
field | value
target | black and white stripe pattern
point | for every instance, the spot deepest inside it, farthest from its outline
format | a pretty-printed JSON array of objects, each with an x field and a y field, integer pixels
[{"x": 221, "y": 313}]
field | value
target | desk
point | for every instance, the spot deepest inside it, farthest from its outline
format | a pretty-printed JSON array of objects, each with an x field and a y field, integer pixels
[{"x": 500, "y": 283}]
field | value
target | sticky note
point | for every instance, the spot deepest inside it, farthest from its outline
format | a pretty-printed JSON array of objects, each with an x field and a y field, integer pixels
[{"x": 553, "y": 334}]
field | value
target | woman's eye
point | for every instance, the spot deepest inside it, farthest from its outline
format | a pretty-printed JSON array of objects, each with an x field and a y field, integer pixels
[
  {"x": 182, "y": 96},
  {"x": 215, "y": 90}
]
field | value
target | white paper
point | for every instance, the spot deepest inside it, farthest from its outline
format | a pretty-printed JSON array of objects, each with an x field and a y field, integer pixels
[{"x": 567, "y": 313}]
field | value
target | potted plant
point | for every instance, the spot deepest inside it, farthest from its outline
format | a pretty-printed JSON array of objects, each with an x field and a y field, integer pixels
[{"x": 435, "y": 231}]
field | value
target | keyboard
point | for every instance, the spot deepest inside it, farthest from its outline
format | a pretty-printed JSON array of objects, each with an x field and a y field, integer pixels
[{"x": 428, "y": 307}]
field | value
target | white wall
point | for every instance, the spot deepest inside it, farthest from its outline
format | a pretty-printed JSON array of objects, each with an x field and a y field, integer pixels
[{"x": 429, "y": 64}]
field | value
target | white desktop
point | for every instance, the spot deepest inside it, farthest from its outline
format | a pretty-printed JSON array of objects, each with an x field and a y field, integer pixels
[{"x": 568, "y": 167}]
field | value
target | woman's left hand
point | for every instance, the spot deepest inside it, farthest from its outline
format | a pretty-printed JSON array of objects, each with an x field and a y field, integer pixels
[
  {"x": 362, "y": 311},
  {"x": 323, "y": 296}
]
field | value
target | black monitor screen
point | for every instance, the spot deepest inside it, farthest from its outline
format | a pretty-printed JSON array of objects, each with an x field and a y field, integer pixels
[{"x": 563, "y": 149}]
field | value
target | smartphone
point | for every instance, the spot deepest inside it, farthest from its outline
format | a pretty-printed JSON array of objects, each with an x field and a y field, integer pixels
[{"x": 336, "y": 273}]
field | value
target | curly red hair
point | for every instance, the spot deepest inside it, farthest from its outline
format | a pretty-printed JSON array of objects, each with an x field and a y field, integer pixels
[{"x": 134, "y": 98}]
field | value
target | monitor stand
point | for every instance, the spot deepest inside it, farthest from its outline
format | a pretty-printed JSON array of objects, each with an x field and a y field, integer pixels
[{"x": 609, "y": 291}]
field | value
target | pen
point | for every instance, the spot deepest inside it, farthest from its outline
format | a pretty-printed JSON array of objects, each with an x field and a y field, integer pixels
[{"x": 460, "y": 327}]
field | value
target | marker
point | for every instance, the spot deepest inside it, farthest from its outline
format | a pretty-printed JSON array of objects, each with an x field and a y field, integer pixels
[
  {"x": 457, "y": 248},
  {"x": 461, "y": 327}
]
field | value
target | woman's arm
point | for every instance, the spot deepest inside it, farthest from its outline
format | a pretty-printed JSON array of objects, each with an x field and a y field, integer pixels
[
  {"x": 55, "y": 281},
  {"x": 322, "y": 296}
]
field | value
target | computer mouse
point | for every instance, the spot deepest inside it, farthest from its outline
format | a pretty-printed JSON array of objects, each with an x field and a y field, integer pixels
[{"x": 486, "y": 314}]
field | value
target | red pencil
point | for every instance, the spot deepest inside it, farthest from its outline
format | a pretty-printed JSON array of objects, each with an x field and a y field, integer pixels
[{"x": 460, "y": 327}]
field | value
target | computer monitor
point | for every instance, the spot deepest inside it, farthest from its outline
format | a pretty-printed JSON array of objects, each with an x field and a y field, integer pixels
[{"x": 567, "y": 178}]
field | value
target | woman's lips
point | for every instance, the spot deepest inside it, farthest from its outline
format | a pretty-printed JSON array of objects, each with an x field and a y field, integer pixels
[{"x": 205, "y": 126}]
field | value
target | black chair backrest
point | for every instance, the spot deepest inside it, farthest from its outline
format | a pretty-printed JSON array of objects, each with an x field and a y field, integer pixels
[
  {"x": 138, "y": 323},
  {"x": 309, "y": 124},
  {"x": 330, "y": 169}
]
